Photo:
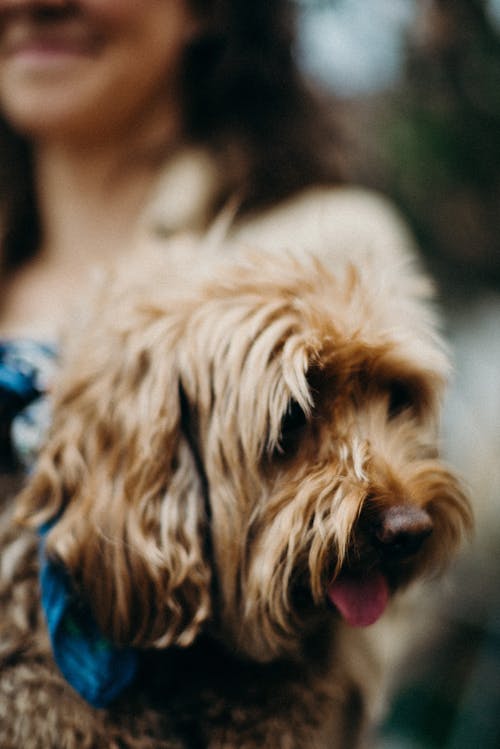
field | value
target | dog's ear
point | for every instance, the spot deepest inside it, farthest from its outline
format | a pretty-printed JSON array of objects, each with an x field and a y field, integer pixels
[{"x": 118, "y": 476}]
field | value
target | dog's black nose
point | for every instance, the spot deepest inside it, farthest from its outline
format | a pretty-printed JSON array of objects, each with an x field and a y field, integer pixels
[{"x": 401, "y": 530}]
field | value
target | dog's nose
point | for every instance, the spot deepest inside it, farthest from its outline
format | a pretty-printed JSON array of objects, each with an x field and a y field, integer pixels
[{"x": 401, "y": 530}]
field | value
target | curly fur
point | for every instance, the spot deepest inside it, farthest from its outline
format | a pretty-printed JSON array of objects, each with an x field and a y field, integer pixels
[{"x": 192, "y": 514}]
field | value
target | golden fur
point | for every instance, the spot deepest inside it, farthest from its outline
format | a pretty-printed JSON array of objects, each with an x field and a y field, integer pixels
[{"x": 223, "y": 447}]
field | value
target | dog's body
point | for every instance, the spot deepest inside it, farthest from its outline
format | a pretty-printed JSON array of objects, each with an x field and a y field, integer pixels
[{"x": 243, "y": 466}]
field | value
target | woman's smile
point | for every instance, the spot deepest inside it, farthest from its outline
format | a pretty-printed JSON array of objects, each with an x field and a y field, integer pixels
[{"x": 47, "y": 47}]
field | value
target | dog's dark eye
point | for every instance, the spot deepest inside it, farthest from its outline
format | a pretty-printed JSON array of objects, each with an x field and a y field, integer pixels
[
  {"x": 294, "y": 419},
  {"x": 293, "y": 423},
  {"x": 401, "y": 398}
]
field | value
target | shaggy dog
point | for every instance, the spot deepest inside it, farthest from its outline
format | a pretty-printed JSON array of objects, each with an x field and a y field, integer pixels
[{"x": 242, "y": 474}]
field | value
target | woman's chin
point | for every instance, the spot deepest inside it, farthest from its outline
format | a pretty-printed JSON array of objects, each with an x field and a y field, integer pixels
[
  {"x": 42, "y": 103},
  {"x": 46, "y": 121},
  {"x": 62, "y": 114}
]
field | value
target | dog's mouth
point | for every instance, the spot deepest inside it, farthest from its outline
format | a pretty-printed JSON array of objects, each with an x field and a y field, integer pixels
[
  {"x": 386, "y": 547},
  {"x": 360, "y": 597}
]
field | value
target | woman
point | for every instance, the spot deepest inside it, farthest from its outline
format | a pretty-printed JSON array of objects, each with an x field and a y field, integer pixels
[{"x": 98, "y": 97}]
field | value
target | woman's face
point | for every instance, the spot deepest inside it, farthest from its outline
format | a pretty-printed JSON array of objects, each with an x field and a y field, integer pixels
[{"x": 89, "y": 68}]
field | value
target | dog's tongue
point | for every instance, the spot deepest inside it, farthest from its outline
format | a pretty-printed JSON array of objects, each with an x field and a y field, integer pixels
[{"x": 361, "y": 599}]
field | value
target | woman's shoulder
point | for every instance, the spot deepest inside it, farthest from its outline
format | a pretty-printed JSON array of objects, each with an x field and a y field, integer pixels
[
  {"x": 347, "y": 221},
  {"x": 318, "y": 218}
]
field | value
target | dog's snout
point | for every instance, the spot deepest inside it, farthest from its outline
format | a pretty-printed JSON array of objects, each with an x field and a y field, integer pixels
[{"x": 401, "y": 530}]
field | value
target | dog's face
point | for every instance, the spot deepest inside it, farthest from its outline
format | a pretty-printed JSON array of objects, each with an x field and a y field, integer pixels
[{"x": 255, "y": 457}]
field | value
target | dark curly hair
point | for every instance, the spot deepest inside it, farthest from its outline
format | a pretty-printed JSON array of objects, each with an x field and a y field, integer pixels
[{"x": 244, "y": 99}]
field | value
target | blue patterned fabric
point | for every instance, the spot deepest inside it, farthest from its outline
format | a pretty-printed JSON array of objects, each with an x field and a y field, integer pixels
[{"x": 27, "y": 368}]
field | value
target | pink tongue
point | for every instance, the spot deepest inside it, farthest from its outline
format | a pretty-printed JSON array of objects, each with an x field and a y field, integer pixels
[{"x": 361, "y": 599}]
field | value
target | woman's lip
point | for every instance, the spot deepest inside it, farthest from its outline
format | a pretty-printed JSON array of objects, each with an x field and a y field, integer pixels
[
  {"x": 47, "y": 57},
  {"x": 42, "y": 58},
  {"x": 19, "y": 41}
]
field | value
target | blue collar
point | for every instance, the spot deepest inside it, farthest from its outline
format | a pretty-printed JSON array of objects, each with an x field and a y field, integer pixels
[{"x": 98, "y": 670}]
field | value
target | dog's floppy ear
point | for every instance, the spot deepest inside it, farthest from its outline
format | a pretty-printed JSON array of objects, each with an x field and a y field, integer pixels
[{"x": 118, "y": 475}]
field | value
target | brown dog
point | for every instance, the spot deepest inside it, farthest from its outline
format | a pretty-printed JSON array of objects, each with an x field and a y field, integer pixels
[{"x": 245, "y": 472}]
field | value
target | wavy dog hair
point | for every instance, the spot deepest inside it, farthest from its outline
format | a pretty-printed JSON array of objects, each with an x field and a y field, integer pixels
[
  {"x": 231, "y": 440},
  {"x": 243, "y": 97}
]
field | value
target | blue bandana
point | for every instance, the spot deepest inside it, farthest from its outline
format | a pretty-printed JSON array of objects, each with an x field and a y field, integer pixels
[
  {"x": 27, "y": 368},
  {"x": 98, "y": 670}
]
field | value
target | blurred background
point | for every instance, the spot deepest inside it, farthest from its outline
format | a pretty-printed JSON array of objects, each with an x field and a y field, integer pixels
[{"x": 416, "y": 89}]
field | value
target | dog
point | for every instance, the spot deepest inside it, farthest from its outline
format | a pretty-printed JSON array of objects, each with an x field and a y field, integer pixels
[{"x": 241, "y": 480}]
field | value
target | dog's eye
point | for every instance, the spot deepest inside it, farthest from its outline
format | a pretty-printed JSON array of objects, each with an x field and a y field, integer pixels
[
  {"x": 401, "y": 398},
  {"x": 293, "y": 423},
  {"x": 294, "y": 419}
]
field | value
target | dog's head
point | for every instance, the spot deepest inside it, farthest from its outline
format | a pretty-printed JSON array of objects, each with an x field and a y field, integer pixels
[{"x": 255, "y": 455}]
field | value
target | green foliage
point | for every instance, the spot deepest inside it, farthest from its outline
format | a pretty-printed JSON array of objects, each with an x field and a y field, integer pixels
[{"x": 441, "y": 139}]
